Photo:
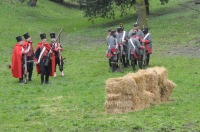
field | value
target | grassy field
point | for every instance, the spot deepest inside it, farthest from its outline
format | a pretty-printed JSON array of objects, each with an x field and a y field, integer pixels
[{"x": 75, "y": 102}]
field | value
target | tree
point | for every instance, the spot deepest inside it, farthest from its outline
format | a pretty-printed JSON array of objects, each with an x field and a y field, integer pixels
[
  {"x": 141, "y": 13},
  {"x": 107, "y": 8}
]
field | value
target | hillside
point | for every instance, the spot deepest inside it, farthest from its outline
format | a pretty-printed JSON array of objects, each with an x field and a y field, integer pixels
[{"x": 75, "y": 102}]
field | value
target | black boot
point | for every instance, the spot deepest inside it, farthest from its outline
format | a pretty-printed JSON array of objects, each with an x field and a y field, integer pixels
[
  {"x": 133, "y": 65},
  {"x": 113, "y": 66},
  {"x": 140, "y": 64},
  {"x": 124, "y": 62},
  {"x": 147, "y": 61},
  {"x": 20, "y": 80},
  {"x": 30, "y": 76}
]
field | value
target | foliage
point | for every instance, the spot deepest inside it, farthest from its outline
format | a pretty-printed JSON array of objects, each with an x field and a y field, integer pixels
[
  {"x": 75, "y": 102},
  {"x": 108, "y": 8}
]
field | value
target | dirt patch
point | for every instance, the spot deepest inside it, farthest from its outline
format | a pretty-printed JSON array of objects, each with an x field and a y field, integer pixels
[{"x": 185, "y": 51}]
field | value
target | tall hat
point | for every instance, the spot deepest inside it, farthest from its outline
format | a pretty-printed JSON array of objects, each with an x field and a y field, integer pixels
[
  {"x": 19, "y": 38},
  {"x": 52, "y": 35},
  {"x": 135, "y": 24},
  {"x": 145, "y": 30},
  {"x": 119, "y": 29},
  {"x": 26, "y": 35},
  {"x": 43, "y": 36},
  {"x": 113, "y": 32}
]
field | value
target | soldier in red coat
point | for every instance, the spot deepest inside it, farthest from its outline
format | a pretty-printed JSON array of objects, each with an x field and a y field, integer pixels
[
  {"x": 28, "y": 44},
  {"x": 57, "y": 49},
  {"x": 45, "y": 59},
  {"x": 17, "y": 59}
]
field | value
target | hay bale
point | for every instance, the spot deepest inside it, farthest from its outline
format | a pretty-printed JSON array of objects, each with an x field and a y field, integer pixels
[
  {"x": 166, "y": 90},
  {"x": 136, "y": 91}
]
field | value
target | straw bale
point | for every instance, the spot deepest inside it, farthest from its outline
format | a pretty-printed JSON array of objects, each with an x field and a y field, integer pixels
[
  {"x": 136, "y": 91},
  {"x": 166, "y": 90},
  {"x": 113, "y": 85},
  {"x": 119, "y": 96}
]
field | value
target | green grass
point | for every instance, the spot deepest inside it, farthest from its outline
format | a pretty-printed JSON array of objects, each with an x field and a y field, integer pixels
[{"x": 76, "y": 102}]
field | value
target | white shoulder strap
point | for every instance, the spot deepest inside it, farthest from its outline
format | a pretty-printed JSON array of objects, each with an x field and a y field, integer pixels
[
  {"x": 44, "y": 48},
  {"x": 124, "y": 32},
  {"x": 146, "y": 36},
  {"x": 132, "y": 44}
]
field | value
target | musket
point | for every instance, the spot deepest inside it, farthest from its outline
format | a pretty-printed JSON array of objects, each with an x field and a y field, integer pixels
[{"x": 49, "y": 55}]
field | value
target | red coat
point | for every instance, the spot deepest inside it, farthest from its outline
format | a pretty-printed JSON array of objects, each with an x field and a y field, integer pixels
[
  {"x": 16, "y": 66},
  {"x": 48, "y": 47},
  {"x": 31, "y": 51}
]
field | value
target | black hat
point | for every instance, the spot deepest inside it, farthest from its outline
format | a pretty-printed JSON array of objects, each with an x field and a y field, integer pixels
[
  {"x": 119, "y": 29},
  {"x": 26, "y": 35},
  {"x": 135, "y": 24},
  {"x": 43, "y": 36},
  {"x": 52, "y": 35},
  {"x": 19, "y": 38},
  {"x": 113, "y": 32},
  {"x": 145, "y": 30}
]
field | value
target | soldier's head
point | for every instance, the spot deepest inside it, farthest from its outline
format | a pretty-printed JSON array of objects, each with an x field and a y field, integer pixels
[
  {"x": 19, "y": 39},
  {"x": 135, "y": 26},
  {"x": 113, "y": 33},
  {"x": 145, "y": 30},
  {"x": 53, "y": 37},
  {"x": 119, "y": 29},
  {"x": 43, "y": 38},
  {"x": 134, "y": 33},
  {"x": 27, "y": 37}
]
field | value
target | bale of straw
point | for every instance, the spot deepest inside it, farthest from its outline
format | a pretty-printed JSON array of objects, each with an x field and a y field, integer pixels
[
  {"x": 166, "y": 90},
  {"x": 136, "y": 91}
]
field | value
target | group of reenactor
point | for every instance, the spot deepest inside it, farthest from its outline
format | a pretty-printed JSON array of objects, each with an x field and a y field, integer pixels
[
  {"x": 123, "y": 48},
  {"x": 46, "y": 57}
]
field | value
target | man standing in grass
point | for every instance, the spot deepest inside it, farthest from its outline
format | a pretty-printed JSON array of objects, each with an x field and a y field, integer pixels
[
  {"x": 135, "y": 50},
  {"x": 45, "y": 59},
  {"x": 29, "y": 55},
  {"x": 17, "y": 59},
  {"x": 57, "y": 49},
  {"x": 148, "y": 44},
  {"x": 113, "y": 50}
]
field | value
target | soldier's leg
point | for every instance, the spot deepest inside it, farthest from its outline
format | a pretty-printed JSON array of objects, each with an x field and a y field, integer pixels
[
  {"x": 148, "y": 58},
  {"x": 140, "y": 61},
  {"x": 47, "y": 73},
  {"x": 42, "y": 71},
  {"x": 124, "y": 60},
  {"x": 132, "y": 61},
  {"x": 127, "y": 61},
  {"x": 109, "y": 62},
  {"x": 30, "y": 71},
  {"x": 114, "y": 63}
]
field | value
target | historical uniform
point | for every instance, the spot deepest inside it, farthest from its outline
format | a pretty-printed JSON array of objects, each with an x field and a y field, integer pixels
[
  {"x": 139, "y": 32},
  {"x": 125, "y": 46},
  {"x": 107, "y": 42},
  {"x": 28, "y": 44},
  {"x": 119, "y": 44},
  {"x": 17, "y": 60},
  {"x": 147, "y": 40},
  {"x": 45, "y": 60},
  {"x": 135, "y": 51},
  {"x": 112, "y": 50},
  {"x": 57, "y": 48}
]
